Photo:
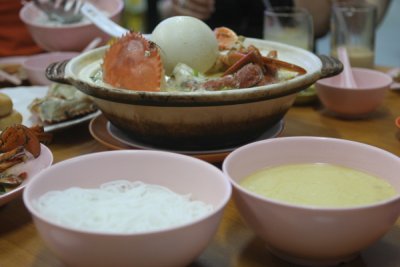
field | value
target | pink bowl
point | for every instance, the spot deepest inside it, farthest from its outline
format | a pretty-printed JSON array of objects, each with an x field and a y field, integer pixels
[
  {"x": 305, "y": 234},
  {"x": 171, "y": 247},
  {"x": 35, "y": 66},
  {"x": 354, "y": 102},
  {"x": 67, "y": 37}
]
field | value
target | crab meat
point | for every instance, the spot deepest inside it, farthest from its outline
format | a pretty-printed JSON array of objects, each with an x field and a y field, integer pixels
[
  {"x": 19, "y": 135},
  {"x": 133, "y": 62},
  {"x": 248, "y": 76}
]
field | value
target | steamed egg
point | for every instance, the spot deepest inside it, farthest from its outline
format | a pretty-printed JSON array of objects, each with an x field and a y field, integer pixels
[{"x": 187, "y": 40}]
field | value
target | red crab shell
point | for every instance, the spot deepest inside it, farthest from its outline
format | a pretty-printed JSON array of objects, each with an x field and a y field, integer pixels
[{"x": 133, "y": 62}]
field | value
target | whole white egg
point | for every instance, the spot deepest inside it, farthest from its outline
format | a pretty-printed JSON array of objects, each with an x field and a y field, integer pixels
[{"x": 187, "y": 40}]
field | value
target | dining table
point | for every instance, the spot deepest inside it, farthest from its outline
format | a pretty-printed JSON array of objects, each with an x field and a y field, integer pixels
[{"x": 234, "y": 244}]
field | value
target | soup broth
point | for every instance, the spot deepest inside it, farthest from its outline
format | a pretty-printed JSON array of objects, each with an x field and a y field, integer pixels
[{"x": 319, "y": 184}]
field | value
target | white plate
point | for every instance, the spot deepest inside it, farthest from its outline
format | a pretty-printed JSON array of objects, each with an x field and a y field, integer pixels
[
  {"x": 124, "y": 138},
  {"x": 23, "y": 96},
  {"x": 32, "y": 166}
]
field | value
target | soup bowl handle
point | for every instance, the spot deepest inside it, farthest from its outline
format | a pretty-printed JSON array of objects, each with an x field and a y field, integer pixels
[
  {"x": 330, "y": 66},
  {"x": 56, "y": 72}
]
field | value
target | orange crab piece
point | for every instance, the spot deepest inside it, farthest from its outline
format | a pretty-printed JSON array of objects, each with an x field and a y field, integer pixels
[
  {"x": 133, "y": 62},
  {"x": 226, "y": 38},
  {"x": 19, "y": 135}
]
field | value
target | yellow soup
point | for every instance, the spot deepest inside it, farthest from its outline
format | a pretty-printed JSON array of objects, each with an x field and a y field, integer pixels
[{"x": 319, "y": 184}]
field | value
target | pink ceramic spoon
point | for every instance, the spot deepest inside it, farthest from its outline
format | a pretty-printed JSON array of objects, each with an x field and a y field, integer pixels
[{"x": 346, "y": 77}]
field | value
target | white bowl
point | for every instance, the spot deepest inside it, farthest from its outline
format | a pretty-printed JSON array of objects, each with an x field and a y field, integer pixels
[
  {"x": 313, "y": 235},
  {"x": 175, "y": 246}
]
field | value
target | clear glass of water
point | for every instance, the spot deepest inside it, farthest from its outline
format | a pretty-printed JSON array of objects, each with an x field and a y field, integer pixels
[{"x": 289, "y": 25}]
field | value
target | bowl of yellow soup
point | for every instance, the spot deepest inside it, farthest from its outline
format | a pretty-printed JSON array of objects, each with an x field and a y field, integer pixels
[
  {"x": 315, "y": 200},
  {"x": 128, "y": 208}
]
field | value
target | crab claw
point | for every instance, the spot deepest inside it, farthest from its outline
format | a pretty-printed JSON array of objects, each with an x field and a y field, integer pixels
[{"x": 133, "y": 62}]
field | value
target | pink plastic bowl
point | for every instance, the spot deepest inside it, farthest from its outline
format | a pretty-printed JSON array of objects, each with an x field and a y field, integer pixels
[
  {"x": 68, "y": 37},
  {"x": 171, "y": 247},
  {"x": 311, "y": 235},
  {"x": 35, "y": 66},
  {"x": 354, "y": 102}
]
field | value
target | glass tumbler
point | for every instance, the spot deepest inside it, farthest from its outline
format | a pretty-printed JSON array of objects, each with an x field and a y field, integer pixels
[
  {"x": 289, "y": 25},
  {"x": 353, "y": 26}
]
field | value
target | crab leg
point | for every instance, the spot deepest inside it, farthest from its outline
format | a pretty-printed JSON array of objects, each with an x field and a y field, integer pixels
[
  {"x": 20, "y": 135},
  {"x": 269, "y": 64},
  {"x": 246, "y": 58},
  {"x": 16, "y": 152},
  {"x": 11, "y": 158},
  {"x": 12, "y": 179},
  {"x": 9, "y": 163},
  {"x": 284, "y": 65}
]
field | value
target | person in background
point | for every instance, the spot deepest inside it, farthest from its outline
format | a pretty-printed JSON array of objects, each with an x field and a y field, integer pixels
[
  {"x": 15, "y": 39},
  {"x": 245, "y": 17}
]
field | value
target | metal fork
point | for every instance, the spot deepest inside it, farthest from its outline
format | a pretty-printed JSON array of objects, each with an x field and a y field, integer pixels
[
  {"x": 68, "y": 11},
  {"x": 64, "y": 11}
]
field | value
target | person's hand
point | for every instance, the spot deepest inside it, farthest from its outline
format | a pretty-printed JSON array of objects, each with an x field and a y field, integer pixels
[{"x": 201, "y": 9}]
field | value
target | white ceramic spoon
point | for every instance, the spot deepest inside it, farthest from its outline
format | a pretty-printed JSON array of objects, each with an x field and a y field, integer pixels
[
  {"x": 101, "y": 21},
  {"x": 347, "y": 78}
]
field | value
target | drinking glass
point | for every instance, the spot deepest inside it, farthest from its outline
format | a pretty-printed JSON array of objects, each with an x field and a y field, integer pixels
[
  {"x": 290, "y": 25},
  {"x": 353, "y": 26},
  {"x": 293, "y": 26}
]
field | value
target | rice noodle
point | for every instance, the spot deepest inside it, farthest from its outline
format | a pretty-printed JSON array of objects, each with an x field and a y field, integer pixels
[{"x": 120, "y": 207}]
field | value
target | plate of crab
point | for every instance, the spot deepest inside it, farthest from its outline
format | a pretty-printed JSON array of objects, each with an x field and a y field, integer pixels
[
  {"x": 187, "y": 86},
  {"x": 55, "y": 107},
  {"x": 23, "y": 154}
]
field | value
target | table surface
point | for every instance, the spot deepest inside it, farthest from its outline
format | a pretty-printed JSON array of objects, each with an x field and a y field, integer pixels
[{"x": 235, "y": 244}]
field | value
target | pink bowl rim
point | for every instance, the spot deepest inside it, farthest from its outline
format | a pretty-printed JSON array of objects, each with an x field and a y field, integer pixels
[
  {"x": 29, "y": 64},
  {"x": 30, "y": 5},
  {"x": 217, "y": 209},
  {"x": 249, "y": 146},
  {"x": 385, "y": 85}
]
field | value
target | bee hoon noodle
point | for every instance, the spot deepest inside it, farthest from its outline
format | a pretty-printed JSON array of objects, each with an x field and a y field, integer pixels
[{"x": 120, "y": 207}]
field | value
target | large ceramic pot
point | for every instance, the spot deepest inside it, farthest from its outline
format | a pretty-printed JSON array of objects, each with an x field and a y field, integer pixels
[{"x": 196, "y": 120}]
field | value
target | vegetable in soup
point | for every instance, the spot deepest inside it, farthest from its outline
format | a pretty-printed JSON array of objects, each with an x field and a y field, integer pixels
[{"x": 319, "y": 184}]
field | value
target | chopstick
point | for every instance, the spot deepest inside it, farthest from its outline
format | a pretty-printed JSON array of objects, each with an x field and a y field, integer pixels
[{"x": 11, "y": 78}]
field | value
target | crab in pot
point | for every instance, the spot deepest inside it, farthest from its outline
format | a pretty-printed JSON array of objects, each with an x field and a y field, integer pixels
[{"x": 133, "y": 62}]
